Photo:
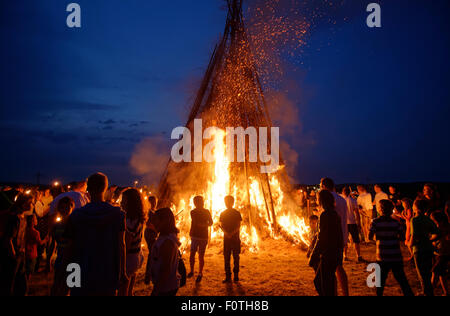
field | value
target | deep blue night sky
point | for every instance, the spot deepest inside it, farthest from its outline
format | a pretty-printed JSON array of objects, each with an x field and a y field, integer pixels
[{"x": 374, "y": 107}]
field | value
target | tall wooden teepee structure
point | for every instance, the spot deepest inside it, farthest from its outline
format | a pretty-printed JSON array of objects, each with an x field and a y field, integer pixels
[{"x": 230, "y": 94}]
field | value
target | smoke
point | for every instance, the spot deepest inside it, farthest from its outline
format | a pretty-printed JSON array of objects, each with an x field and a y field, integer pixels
[
  {"x": 149, "y": 159},
  {"x": 285, "y": 108}
]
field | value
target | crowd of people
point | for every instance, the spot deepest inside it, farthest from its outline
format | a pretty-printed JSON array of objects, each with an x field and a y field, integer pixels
[
  {"x": 389, "y": 219},
  {"x": 102, "y": 229}
]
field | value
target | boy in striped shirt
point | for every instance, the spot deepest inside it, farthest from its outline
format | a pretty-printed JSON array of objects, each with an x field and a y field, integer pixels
[{"x": 389, "y": 232}]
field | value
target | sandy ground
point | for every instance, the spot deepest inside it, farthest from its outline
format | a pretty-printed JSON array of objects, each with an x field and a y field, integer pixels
[{"x": 278, "y": 269}]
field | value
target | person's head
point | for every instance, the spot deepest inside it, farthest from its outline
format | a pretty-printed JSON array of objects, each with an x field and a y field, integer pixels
[
  {"x": 407, "y": 203},
  {"x": 346, "y": 191},
  {"x": 327, "y": 184},
  {"x": 97, "y": 185},
  {"x": 440, "y": 218},
  {"x": 420, "y": 207},
  {"x": 47, "y": 193},
  {"x": 80, "y": 186},
  {"x": 392, "y": 189},
  {"x": 326, "y": 200},
  {"x": 428, "y": 190},
  {"x": 132, "y": 204},
  {"x": 361, "y": 189},
  {"x": 65, "y": 206},
  {"x": 164, "y": 222},
  {"x": 229, "y": 201},
  {"x": 377, "y": 188},
  {"x": 153, "y": 202},
  {"x": 199, "y": 202},
  {"x": 386, "y": 207},
  {"x": 313, "y": 220},
  {"x": 31, "y": 221},
  {"x": 23, "y": 204}
]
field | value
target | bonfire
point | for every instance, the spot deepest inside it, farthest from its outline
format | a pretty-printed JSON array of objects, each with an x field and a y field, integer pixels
[{"x": 231, "y": 95}]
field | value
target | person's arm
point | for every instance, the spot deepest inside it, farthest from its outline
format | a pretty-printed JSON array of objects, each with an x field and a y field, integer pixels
[
  {"x": 322, "y": 237},
  {"x": 373, "y": 231},
  {"x": 236, "y": 231},
  {"x": 38, "y": 239},
  {"x": 123, "y": 256},
  {"x": 410, "y": 242},
  {"x": 401, "y": 232},
  {"x": 210, "y": 222},
  {"x": 221, "y": 226},
  {"x": 435, "y": 232},
  {"x": 10, "y": 248},
  {"x": 10, "y": 237},
  {"x": 225, "y": 233},
  {"x": 67, "y": 236},
  {"x": 167, "y": 254}
]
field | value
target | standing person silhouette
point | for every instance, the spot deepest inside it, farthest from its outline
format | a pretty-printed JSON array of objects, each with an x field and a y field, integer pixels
[
  {"x": 328, "y": 250},
  {"x": 230, "y": 223},
  {"x": 342, "y": 210},
  {"x": 96, "y": 237},
  {"x": 201, "y": 221}
]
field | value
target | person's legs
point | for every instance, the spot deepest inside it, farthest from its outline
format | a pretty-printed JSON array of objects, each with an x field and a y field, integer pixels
[
  {"x": 236, "y": 260},
  {"x": 194, "y": 248},
  {"x": 8, "y": 270},
  {"x": 150, "y": 241},
  {"x": 59, "y": 287},
  {"x": 148, "y": 272},
  {"x": 148, "y": 269},
  {"x": 384, "y": 272},
  {"x": 328, "y": 279},
  {"x": 427, "y": 268},
  {"x": 368, "y": 223},
  {"x": 131, "y": 286},
  {"x": 439, "y": 273},
  {"x": 40, "y": 252},
  {"x": 342, "y": 279},
  {"x": 424, "y": 263},
  {"x": 20, "y": 286},
  {"x": 49, "y": 253},
  {"x": 354, "y": 233},
  {"x": 30, "y": 267},
  {"x": 318, "y": 279},
  {"x": 365, "y": 227},
  {"x": 444, "y": 285},
  {"x": 227, "y": 257},
  {"x": 201, "y": 256},
  {"x": 400, "y": 276},
  {"x": 358, "y": 250},
  {"x": 123, "y": 288}
]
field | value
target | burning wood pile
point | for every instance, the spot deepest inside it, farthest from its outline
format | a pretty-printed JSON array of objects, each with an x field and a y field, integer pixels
[{"x": 231, "y": 95}]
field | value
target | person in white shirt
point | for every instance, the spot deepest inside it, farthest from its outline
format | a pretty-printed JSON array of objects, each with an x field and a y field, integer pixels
[
  {"x": 379, "y": 196},
  {"x": 341, "y": 209},
  {"x": 39, "y": 206},
  {"x": 365, "y": 205},
  {"x": 352, "y": 223},
  {"x": 46, "y": 199},
  {"x": 78, "y": 195}
]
